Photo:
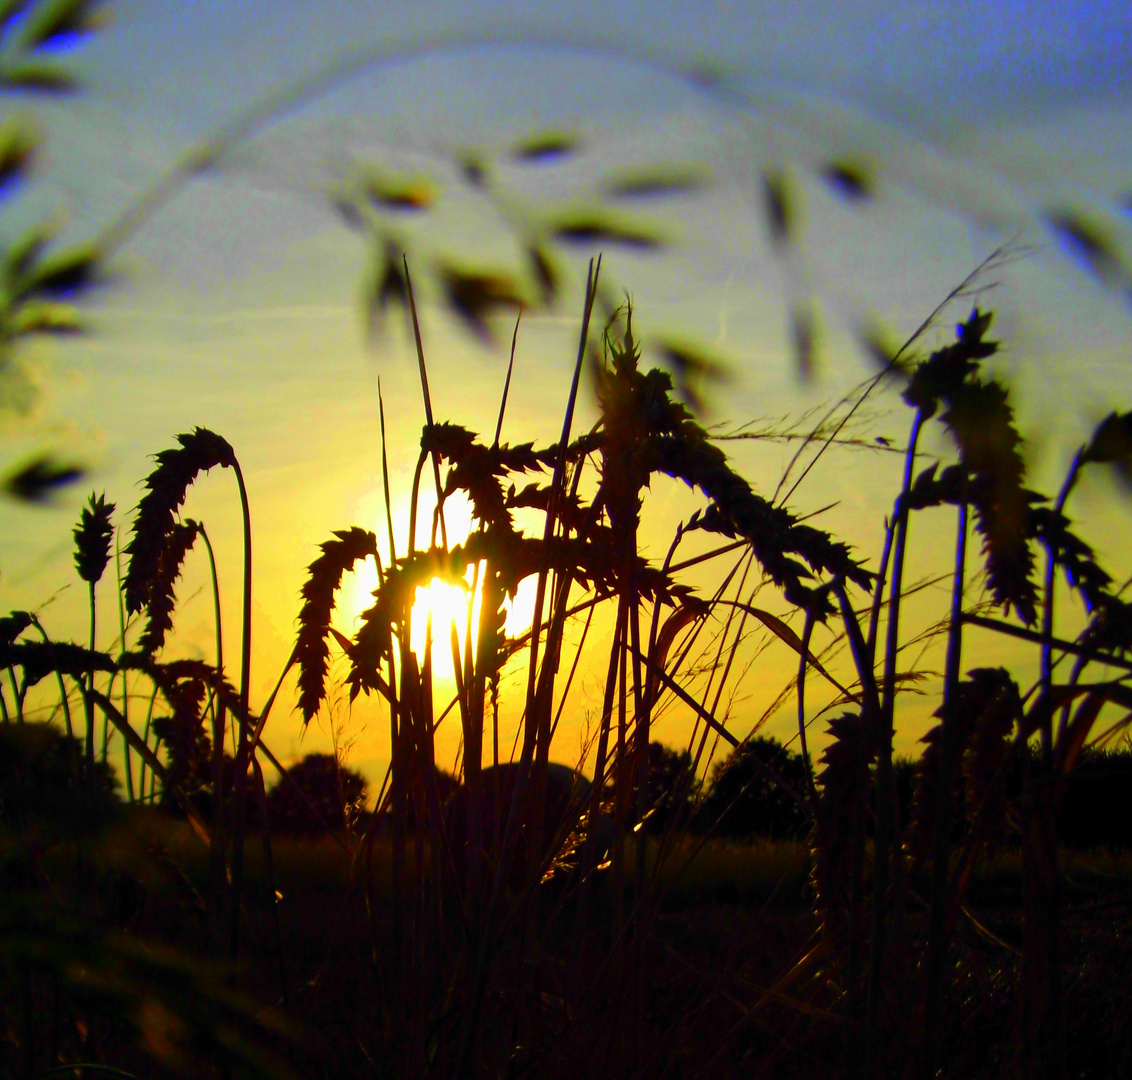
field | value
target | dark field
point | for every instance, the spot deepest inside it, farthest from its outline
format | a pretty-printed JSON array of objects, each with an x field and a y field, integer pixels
[
  {"x": 966, "y": 915},
  {"x": 717, "y": 975}
]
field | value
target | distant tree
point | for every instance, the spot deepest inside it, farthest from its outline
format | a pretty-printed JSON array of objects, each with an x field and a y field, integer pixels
[
  {"x": 41, "y": 783},
  {"x": 745, "y": 800},
  {"x": 904, "y": 776},
  {"x": 447, "y": 784},
  {"x": 1096, "y": 805},
  {"x": 334, "y": 798},
  {"x": 541, "y": 846},
  {"x": 671, "y": 789}
]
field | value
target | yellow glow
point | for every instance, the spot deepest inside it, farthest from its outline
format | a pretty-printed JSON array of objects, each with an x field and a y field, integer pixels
[
  {"x": 521, "y": 610},
  {"x": 444, "y": 606},
  {"x": 446, "y": 603}
]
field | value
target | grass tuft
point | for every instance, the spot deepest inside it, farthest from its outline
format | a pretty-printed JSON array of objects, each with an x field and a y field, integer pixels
[
  {"x": 168, "y": 484},
  {"x": 325, "y": 575}
]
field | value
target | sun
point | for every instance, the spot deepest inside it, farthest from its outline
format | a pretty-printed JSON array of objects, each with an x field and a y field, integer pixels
[
  {"x": 440, "y": 605},
  {"x": 443, "y": 606}
]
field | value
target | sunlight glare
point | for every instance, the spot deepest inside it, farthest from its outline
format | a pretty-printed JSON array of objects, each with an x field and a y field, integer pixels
[
  {"x": 445, "y": 602},
  {"x": 446, "y": 605}
]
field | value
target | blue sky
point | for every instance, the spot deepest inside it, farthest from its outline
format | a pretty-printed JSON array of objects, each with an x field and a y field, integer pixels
[{"x": 236, "y": 304}]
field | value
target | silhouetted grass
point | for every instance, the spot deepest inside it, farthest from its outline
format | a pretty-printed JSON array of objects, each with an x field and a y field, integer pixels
[
  {"x": 967, "y": 845},
  {"x": 616, "y": 935}
]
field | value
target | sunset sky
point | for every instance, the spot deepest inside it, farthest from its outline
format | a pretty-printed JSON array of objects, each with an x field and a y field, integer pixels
[{"x": 237, "y": 303}]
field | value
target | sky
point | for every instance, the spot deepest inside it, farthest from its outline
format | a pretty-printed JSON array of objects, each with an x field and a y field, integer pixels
[{"x": 235, "y": 302}]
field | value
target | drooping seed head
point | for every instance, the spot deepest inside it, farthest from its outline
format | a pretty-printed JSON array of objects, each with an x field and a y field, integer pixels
[
  {"x": 162, "y": 598},
  {"x": 338, "y": 556},
  {"x": 177, "y": 468}
]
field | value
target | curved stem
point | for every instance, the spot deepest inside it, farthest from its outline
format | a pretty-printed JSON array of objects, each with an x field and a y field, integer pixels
[
  {"x": 878, "y": 592},
  {"x": 125, "y": 682},
  {"x": 414, "y": 499},
  {"x": 64, "y": 698},
  {"x": 241, "y": 766},
  {"x": 884, "y": 792},
  {"x": 65, "y": 703},
  {"x": 803, "y": 665},
  {"x": 246, "y": 636},
  {"x": 219, "y": 717}
]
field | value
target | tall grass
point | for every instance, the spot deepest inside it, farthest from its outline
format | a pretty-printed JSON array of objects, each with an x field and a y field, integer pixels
[
  {"x": 533, "y": 949},
  {"x": 462, "y": 940}
]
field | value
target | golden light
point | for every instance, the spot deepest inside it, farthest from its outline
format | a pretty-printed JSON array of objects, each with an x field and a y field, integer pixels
[
  {"x": 447, "y": 605},
  {"x": 442, "y": 604},
  {"x": 439, "y": 607}
]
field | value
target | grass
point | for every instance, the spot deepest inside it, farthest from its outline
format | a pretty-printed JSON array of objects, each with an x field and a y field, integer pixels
[
  {"x": 873, "y": 927},
  {"x": 177, "y": 934}
]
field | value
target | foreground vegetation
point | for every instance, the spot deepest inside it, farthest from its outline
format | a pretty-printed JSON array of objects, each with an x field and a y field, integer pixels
[
  {"x": 919, "y": 920},
  {"x": 867, "y": 944}
]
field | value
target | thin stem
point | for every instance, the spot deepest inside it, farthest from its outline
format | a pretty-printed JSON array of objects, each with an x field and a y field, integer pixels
[
  {"x": 1061, "y": 644},
  {"x": 944, "y": 808},
  {"x": 89, "y": 705},
  {"x": 557, "y": 482},
  {"x": 1047, "y": 617},
  {"x": 427, "y": 399},
  {"x": 125, "y": 679},
  {"x": 385, "y": 481},
  {"x": 145, "y": 739},
  {"x": 64, "y": 697},
  {"x": 507, "y": 382},
  {"x": 890, "y": 366},
  {"x": 219, "y": 717},
  {"x": 884, "y": 780},
  {"x": 241, "y": 778},
  {"x": 803, "y": 666}
]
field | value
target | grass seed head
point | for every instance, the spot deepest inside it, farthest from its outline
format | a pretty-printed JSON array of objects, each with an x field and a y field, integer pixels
[
  {"x": 92, "y": 538},
  {"x": 325, "y": 575},
  {"x": 162, "y": 599},
  {"x": 14, "y": 624},
  {"x": 168, "y": 484}
]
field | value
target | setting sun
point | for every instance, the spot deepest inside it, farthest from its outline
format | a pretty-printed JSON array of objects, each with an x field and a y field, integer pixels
[
  {"x": 444, "y": 605},
  {"x": 441, "y": 604},
  {"x": 438, "y": 608}
]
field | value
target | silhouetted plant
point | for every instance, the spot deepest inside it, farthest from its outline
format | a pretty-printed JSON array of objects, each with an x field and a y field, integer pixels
[
  {"x": 311, "y": 651},
  {"x": 758, "y": 791},
  {"x": 162, "y": 600},
  {"x": 40, "y": 789},
  {"x": 589, "y": 553},
  {"x": 167, "y": 485},
  {"x": 672, "y": 789},
  {"x": 318, "y": 795},
  {"x": 844, "y": 810}
]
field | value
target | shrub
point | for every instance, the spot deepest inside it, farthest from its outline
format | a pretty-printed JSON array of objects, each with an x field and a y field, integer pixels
[
  {"x": 671, "y": 788},
  {"x": 41, "y": 782},
  {"x": 753, "y": 792},
  {"x": 318, "y": 796}
]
